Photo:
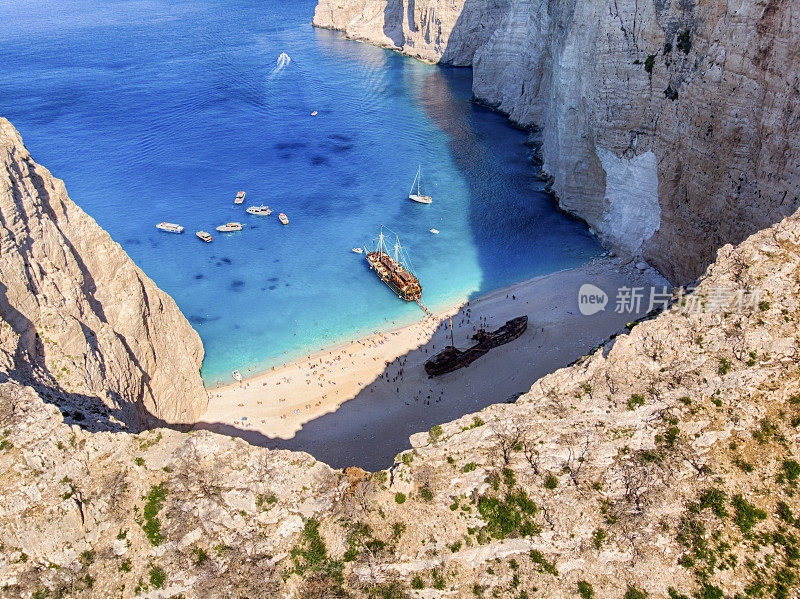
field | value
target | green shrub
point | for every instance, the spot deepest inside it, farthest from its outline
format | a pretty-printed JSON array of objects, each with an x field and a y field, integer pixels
[
  {"x": 634, "y": 593},
  {"x": 200, "y": 555},
  {"x": 598, "y": 537},
  {"x": 550, "y": 481},
  {"x": 724, "y": 366},
  {"x": 417, "y": 583},
  {"x": 426, "y": 493},
  {"x": 400, "y": 497},
  {"x": 469, "y": 467},
  {"x": 157, "y": 576},
  {"x": 791, "y": 470},
  {"x": 585, "y": 590},
  {"x": 538, "y": 558},
  {"x": 635, "y": 401},
  {"x": 435, "y": 433},
  {"x": 154, "y": 501},
  {"x": 649, "y": 63},
  {"x": 746, "y": 514}
]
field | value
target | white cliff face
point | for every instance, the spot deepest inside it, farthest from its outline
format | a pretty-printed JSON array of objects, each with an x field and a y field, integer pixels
[
  {"x": 626, "y": 222},
  {"x": 709, "y": 89},
  {"x": 77, "y": 315}
]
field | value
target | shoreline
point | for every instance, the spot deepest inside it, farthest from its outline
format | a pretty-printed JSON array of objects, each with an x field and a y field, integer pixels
[
  {"x": 335, "y": 402},
  {"x": 441, "y": 314}
]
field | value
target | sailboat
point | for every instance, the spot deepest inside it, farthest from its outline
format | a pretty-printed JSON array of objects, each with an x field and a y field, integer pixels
[
  {"x": 418, "y": 197},
  {"x": 393, "y": 268}
]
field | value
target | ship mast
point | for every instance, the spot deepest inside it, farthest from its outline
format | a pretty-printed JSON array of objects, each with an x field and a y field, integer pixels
[
  {"x": 380, "y": 241},
  {"x": 396, "y": 249}
]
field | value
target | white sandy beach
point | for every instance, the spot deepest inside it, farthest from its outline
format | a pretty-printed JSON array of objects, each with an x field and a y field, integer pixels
[{"x": 384, "y": 372}]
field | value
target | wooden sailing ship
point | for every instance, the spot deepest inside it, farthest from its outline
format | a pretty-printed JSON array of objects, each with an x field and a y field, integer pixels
[
  {"x": 451, "y": 358},
  {"x": 393, "y": 268}
]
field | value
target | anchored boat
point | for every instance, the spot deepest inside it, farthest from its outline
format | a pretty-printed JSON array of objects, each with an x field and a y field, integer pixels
[
  {"x": 239, "y": 198},
  {"x": 204, "y": 236},
  {"x": 170, "y": 227},
  {"x": 283, "y": 218},
  {"x": 262, "y": 210},
  {"x": 451, "y": 358},
  {"x": 229, "y": 227},
  {"x": 418, "y": 197},
  {"x": 394, "y": 269}
]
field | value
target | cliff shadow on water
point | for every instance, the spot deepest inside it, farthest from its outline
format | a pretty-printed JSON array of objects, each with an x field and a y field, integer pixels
[{"x": 507, "y": 199}]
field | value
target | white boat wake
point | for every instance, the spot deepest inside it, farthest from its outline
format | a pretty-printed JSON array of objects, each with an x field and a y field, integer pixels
[{"x": 280, "y": 64}]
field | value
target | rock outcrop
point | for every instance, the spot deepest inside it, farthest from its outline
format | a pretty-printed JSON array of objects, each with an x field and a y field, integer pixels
[
  {"x": 78, "y": 318},
  {"x": 666, "y": 462},
  {"x": 671, "y": 127}
]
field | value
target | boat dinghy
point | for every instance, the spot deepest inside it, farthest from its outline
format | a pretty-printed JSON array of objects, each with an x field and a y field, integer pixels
[
  {"x": 204, "y": 236},
  {"x": 260, "y": 210},
  {"x": 229, "y": 227},
  {"x": 170, "y": 227},
  {"x": 239, "y": 198},
  {"x": 283, "y": 218}
]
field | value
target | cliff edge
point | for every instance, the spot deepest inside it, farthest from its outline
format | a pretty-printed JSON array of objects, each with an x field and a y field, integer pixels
[
  {"x": 78, "y": 319},
  {"x": 671, "y": 127}
]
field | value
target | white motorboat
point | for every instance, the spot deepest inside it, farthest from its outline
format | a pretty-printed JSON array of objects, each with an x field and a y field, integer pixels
[
  {"x": 283, "y": 218},
  {"x": 358, "y": 250},
  {"x": 434, "y": 231},
  {"x": 170, "y": 227},
  {"x": 204, "y": 236},
  {"x": 418, "y": 197},
  {"x": 262, "y": 210},
  {"x": 229, "y": 227},
  {"x": 239, "y": 198},
  {"x": 237, "y": 375}
]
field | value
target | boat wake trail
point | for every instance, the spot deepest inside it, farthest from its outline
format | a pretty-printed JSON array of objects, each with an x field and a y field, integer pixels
[{"x": 280, "y": 64}]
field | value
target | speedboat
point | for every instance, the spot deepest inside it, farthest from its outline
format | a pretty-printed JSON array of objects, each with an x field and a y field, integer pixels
[
  {"x": 434, "y": 231},
  {"x": 358, "y": 250},
  {"x": 239, "y": 198},
  {"x": 170, "y": 227},
  {"x": 237, "y": 375},
  {"x": 204, "y": 236},
  {"x": 283, "y": 218},
  {"x": 262, "y": 210},
  {"x": 229, "y": 227}
]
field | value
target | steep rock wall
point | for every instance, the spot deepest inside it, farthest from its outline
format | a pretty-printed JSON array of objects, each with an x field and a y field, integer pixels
[
  {"x": 711, "y": 89},
  {"x": 76, "y": 314}
]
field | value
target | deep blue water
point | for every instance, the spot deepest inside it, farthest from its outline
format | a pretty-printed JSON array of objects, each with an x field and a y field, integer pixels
[{"x": 154, "y": 110}]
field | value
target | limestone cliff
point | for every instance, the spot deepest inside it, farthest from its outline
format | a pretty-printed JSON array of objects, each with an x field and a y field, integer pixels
[
  {"x": 77, "y": 317},
  {"x": 671, "y": 127}
]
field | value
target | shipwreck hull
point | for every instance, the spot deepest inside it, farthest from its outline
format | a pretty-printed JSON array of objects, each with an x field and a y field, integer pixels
[{"x": 451, "y": 358}]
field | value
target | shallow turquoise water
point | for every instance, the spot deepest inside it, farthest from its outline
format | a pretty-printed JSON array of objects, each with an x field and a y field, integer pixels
[{"x": 153, "y": 110}]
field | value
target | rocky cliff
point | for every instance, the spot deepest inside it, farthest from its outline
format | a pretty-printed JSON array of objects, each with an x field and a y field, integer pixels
[
  {"x": 664, "y": 464},
  {"x": 671, "y": 127},
  {"x": 78, "y": 318}
]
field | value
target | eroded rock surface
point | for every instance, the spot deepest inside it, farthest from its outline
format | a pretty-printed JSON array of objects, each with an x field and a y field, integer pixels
[
  {"x": 664, "y": 462},
  {"x": 671, "y": 127},
  {"x": 78, "y": 317}
]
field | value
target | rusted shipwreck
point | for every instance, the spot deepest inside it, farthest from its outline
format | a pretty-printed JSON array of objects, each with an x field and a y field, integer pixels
[{"x": 451, "y": 358}]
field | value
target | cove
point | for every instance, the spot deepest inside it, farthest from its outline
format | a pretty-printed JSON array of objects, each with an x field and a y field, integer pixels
[{"x": 161, "y": 111}]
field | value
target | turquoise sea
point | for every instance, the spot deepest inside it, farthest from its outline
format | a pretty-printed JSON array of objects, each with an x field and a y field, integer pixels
[{"x": 156, "y": 110}]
